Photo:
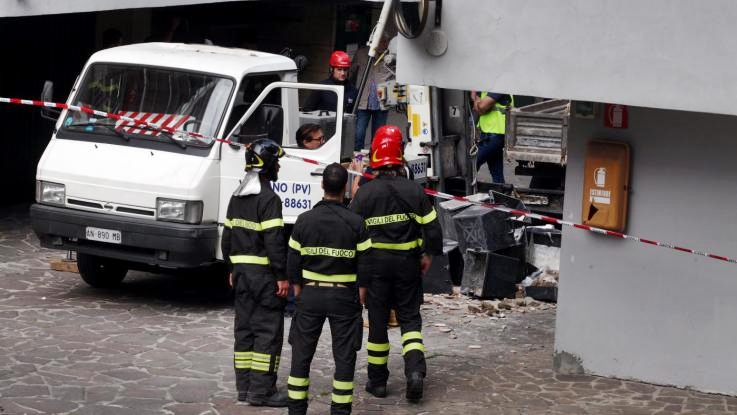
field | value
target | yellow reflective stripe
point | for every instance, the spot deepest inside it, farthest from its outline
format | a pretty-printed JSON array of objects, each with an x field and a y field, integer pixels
[
  {"x": 297, "y": 395},
  {"x": 253, "y": 226},
  {"x": 413, "y": 346},
  {"x": 327, "y": 251},
  {"x": 427, "y": 218},
  {"x": 249, "y": 259},
  {"x": 272, "y": 223},
  {"x": 243, "y": 355},
  {"x": 384, "y": 220},
  {"x": 342, "y": 385},
  {"x": 261, "y": 367},
  {"x": 261, "y": 357},
  {"x": 411, "y": 335},
  {"x": 294, "y": 244},
  {"x": 406, "y": 246},
  {"x": 342, "y": 398},
  {"x": 362, "y": 246},
  {"x": 242, "y": 365},
  {"x": 378, "y": 360},
  {"x": 377, "y": 347},
  {"x": 314, "y": 276},
  {"x": 294, "y": 381}
]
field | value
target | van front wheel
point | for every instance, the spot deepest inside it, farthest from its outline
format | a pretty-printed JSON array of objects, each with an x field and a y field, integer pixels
[{"x": 100, "y": 272}]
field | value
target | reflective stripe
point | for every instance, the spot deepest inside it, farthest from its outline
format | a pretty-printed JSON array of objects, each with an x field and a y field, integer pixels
[
  {"x": 242, "y": 360},
  {"x": 254, "y": 226},
  {"x": 272, "y": 223},
  {"x": 377, "y": 347},
  {"x": 294, "y": 381},
  {"x": 249, "y": 259},
  {"x": 261, "y": 357},
  {"x": 411, "y": 335},
  {"x": 314, "y": 276},
  {"x": 406, "y": 246},
  {"x": 362, "y": 246},
  {"x": 261, "y": 367},
  {"x": 413, "y": 346},
  {"x": 327, "y": 251},
  {"x": 342, "y": 385},
  {"x": 422, "y": 220},
  {"x": 378, "y": 360},
  {"x": 383, "y": 220},
  {"x": 342, "y": 398},
  {"x": 297, "y": 395},
  {"x": 294, "y": 244}
]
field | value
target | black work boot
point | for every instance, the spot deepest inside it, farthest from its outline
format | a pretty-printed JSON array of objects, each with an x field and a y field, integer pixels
[
  {"x": 277, "y": 400},
  {"x": 242, "y": 396},
  {"x": 377, "y": 390},
  {"x": 414, "y": 386}
]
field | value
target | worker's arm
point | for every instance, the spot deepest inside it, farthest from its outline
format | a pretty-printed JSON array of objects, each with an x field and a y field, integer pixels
[
  {"x": 272, "y": 224},
  {"x": 483, "y": 105},
  {"x": 225, "y": 241},
  {"x": 294, "y": 260}
]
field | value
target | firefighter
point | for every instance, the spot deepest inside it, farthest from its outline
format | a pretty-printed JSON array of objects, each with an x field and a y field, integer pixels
[
  {"x": 327, "y": 262},
  {"x": 405, "y": 233},
  {"x": 253, "y": 243},
  {"x": 338, "y": 68}
]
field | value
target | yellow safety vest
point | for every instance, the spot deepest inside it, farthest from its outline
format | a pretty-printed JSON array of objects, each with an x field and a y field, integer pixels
[{"x": 495, "y": 120}]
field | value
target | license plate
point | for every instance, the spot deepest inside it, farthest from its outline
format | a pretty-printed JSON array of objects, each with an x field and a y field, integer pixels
[
  {"x": 103, "y": 235},
  {"x": 418, "y": 167}
]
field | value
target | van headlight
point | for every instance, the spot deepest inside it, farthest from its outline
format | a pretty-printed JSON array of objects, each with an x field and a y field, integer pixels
[
  {"x": 50, "y": 193},
  {"x": 185, "y": 211}
]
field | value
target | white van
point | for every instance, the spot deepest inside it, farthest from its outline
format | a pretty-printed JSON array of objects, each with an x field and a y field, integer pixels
[{"x": 126, "y": 196}]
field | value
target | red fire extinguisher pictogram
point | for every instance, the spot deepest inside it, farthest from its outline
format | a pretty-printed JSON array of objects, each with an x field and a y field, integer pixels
[{"x": 615, "y": 116}]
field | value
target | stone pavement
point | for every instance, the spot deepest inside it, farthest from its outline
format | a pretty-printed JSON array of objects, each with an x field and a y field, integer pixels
[{"x": 162, "y": 345}]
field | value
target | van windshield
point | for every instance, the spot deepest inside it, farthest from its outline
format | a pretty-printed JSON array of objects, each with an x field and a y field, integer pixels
[{"x": 149, "y": 100}]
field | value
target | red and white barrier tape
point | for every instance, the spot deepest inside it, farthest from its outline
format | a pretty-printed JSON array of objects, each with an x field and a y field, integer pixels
[
  {"x": 430, "y": 192},
  {"x": 547, "y": 219}
]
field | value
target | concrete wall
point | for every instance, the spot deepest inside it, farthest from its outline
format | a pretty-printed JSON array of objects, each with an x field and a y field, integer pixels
[
  {"x": 40, "y": 7},
  {"x": 675, "y": 54},
  {"x": 631, "y": 310}
]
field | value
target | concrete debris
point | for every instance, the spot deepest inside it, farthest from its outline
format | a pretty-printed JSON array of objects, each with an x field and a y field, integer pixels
[{"x": 440, "y": 304}]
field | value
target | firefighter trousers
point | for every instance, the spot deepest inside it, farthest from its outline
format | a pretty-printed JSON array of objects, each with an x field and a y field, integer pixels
[
  {"x": 396, "y": 282},
  {"x": 340, "y": 306},
  {"x": 259, "y": 330}
]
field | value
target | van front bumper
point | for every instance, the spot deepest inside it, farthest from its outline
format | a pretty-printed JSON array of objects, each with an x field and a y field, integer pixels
[{"x": 165, "y": 244}]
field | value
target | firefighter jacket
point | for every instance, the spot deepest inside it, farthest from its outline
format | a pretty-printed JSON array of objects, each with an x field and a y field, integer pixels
[
  {"x": 254, "y": 232},
  {"x": 399, "y": 216},
  {"x": 329, "y": 243}
]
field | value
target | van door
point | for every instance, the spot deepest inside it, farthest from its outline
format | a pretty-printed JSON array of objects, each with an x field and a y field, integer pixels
[{"x": 275, "y": 114}]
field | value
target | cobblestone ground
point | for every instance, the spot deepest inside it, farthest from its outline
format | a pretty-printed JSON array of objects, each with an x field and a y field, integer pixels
[{"x": 162, "y": 345}]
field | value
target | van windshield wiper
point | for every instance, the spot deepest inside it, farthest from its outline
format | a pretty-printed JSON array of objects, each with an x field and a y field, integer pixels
[
  {"x": 117, "y": 131},
  {"x": 164, "y": 133}
]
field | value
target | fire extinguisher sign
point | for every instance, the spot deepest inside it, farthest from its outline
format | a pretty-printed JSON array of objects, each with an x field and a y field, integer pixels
[{"x": 615, "y": 116}]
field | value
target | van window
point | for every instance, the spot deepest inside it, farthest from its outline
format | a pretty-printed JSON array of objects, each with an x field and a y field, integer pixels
[
  {"x": 255, "y": 127},
  {"x": 178, "y": 100}
]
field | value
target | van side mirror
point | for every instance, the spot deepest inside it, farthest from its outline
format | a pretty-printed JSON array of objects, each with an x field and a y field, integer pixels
[{"x": 47, "y": 93}]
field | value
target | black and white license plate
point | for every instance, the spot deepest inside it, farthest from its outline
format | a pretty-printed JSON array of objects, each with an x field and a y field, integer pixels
[{"x": 103, "y": 235}]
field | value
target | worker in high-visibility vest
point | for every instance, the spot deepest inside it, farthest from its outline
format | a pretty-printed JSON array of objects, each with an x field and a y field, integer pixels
[
  {"x": 492, "y": 108},
  {"x": 327, "y": 265},
  {"x": 253, "y": 245},
  {"x": 405, "y": 233}
]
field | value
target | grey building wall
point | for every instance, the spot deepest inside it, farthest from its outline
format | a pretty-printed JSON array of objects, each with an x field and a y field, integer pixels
[{"x": 631, "y": 310}]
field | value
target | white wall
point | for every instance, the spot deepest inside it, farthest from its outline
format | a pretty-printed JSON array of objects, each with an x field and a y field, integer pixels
[
  {"x": 10, "y": 8},
  {"x": 632, "y": 310},
  {"x": 676, "y": 54}
]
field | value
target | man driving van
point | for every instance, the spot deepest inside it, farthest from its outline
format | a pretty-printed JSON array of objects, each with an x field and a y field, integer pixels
[{"x": 310, "y": 136}]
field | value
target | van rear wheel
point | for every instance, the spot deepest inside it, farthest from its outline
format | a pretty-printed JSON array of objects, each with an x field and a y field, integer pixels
[{"x": 100, "y": 272}]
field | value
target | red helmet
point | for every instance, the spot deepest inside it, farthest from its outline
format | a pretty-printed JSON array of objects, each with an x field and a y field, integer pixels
[
  {"x": 340, "y": 59},
  {"x": 386, "y": 147}
]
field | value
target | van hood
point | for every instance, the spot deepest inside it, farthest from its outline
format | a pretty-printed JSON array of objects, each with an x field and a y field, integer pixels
[{"x": 122, "y": 175}]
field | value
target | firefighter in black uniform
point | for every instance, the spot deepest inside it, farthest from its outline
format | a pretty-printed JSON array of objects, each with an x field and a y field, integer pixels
[
  {"x": 327, "y": 260},
  {"x": 253, "y": 243},
  {"x": 405, "y": 232}
]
